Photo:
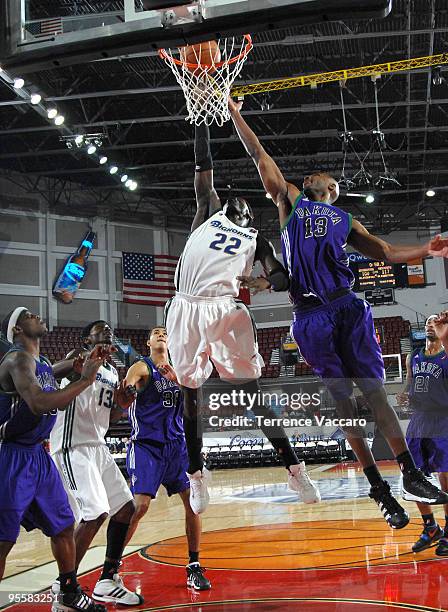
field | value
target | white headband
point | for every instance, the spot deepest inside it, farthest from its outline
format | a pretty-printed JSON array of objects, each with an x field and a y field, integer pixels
[
  {"x": 13, "y": 321},
  {"x": 431, "y": 317}
]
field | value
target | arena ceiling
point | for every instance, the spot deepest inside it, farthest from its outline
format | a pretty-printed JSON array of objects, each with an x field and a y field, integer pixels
[{"x": 134, "y": 102}]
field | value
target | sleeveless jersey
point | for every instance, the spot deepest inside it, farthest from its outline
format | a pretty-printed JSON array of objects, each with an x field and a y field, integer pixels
[
  {"x": 86, "y": 419},
  {"x": 156, "y": 414},
  {"x": 215, "y": 254},
  {"x": 429, "y": 388},
  {"x": 17, "y": 423},
  {"x": 313, "y": 245}
]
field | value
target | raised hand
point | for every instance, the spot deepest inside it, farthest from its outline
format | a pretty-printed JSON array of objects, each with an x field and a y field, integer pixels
[
  {"x": 438, "y": 246},
  {"x": 91, "y": 366},
  {"x": 124, "y": 396},
  {"x": 256, "y": 285},
  {"x": 235, "y": 107},
  {"x": 441, "y": 326},
  {"x": 167, "y": 371},
  {"x": 103, "y": 350},
  {"x": 78, "y": 363}
]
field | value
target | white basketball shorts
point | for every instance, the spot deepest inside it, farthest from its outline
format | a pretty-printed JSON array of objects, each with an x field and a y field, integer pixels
[
  {"x": 202, "y": 330},
  {"x": 92, "y": 480}
]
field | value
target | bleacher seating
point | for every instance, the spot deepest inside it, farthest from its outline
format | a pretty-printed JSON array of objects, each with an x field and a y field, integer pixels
[
  {"x": 61, "y": 340},
  {"x": 249, "y": 455}
]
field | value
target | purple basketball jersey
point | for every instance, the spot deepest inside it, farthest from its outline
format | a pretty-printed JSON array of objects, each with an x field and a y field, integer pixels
[
  {"x": 429, "y": 388},
  {"x": 313, "y": 245},
  {"x": 17, "y": 423},
  {"x": 157, "y": 412}
]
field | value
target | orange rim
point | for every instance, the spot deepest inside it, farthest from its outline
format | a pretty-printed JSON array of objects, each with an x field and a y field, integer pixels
[{"x": 247, "y": 49}]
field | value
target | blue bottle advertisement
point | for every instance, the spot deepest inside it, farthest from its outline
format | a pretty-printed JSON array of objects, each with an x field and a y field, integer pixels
[{"x": 74, "y": 271}]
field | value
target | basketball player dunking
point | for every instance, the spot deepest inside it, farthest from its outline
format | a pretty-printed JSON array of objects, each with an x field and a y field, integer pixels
[
  {"x": 95, "y": 486},
  {"x": 332, "y": 327},
  {"x": 427, "y": 433},
  {"x": 157, "y": 453},
  {"x": 205, "y": 322},
  {"x": 32, "y": 490}
]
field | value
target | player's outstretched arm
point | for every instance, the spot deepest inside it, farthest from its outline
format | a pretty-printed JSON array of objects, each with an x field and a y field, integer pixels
[
  {"x": 73, "y": 362},
  {"x": 283, "y": 194},
  {"x": 207, "y": 200},
  {"x": 21, "y": 368},
  {"x": 137, "y": 376},
  {"x": 372, "y": 246},
  {"x": 276, "y": 276}
]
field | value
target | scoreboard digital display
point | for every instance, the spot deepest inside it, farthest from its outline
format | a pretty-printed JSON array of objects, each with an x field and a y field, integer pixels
[
  {"x": 370, "y": 274},
  {"x": 375, "y": 275}
]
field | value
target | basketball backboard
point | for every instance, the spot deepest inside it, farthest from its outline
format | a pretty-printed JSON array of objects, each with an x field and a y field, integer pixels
[{"x": 38, "y": 35}]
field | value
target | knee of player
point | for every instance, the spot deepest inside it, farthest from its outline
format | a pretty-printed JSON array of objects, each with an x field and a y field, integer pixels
[
  {"x": 65, "y": 533},
  {"x": 141, "y": 508},
  {"x": 125, "y": 514}
]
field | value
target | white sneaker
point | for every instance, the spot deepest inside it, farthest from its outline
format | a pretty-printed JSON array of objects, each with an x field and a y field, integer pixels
[
  {"x": 199, "y": 496},
  {"x": 299, "y": 481},
  {"x": 114, "y": 591},
  {"x": 56, "y": 587}
]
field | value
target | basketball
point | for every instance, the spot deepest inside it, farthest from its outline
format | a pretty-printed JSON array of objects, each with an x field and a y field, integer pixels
[{"x": 206, "y": 53}]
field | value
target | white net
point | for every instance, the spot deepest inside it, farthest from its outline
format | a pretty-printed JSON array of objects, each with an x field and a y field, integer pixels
[{"x": 206, "y": 76}]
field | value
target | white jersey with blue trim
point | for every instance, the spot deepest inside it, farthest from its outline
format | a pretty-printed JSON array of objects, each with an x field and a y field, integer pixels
[
  {"x": 86, "y": 420},
  {"x": 215, "y": 254}
]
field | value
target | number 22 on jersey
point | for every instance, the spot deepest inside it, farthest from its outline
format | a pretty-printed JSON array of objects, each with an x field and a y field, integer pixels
[{"x": 232, "y": 243}]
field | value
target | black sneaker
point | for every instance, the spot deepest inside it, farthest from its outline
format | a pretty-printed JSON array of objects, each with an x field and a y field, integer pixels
[
  {"x": 417, "y": 488},
  {"x": 67, "y": 602},
  {"x": 428, "y": 537},
  {"x": 396, "y": 516},
  {"x": 196, "y": 579},
  {"x": 442, "y": 548}
]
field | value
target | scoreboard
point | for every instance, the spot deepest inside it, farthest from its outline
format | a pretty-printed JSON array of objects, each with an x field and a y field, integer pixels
[
  {"x": 371, "y": 274},
  {"x": 375, "y": 274}
]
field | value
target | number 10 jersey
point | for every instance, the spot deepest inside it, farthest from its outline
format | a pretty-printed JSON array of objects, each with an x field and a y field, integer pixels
[
  {"x": 215, "y": 254},
  {"x": 86, "y": 419}
]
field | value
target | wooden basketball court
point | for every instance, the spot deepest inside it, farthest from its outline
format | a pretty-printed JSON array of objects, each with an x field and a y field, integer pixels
[{"x": 263, "y": 551}]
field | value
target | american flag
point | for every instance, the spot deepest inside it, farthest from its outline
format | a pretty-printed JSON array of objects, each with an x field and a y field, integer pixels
[
  {"x": 148, "y": 279},
  {"x": 45, "y": 27}
]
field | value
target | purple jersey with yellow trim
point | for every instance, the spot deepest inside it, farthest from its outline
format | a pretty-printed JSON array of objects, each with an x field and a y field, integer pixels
[
  {"x": 314, "y": 238},
  {"x": 156, "y": 414},
  {"x": 17, "y": 423}
]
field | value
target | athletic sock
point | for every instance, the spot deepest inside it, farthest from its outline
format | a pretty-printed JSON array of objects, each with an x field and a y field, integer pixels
[
  {"x": 116, "y": 536},
  {"x": 193, "y": 557},
  {"x": 405, "y": 461},
  {"x": 373, "y": 476},
  {"x": 69, "y": 582},
  {"x": 429, "y": 521}
]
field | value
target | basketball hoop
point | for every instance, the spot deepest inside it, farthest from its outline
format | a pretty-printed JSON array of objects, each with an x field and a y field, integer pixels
[{"x": 207, "y": 84}]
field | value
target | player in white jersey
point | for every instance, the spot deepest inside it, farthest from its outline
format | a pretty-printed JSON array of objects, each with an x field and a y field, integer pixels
[
  {"x": 207, "y": 323},
  {"x": 95, "y": 486}
]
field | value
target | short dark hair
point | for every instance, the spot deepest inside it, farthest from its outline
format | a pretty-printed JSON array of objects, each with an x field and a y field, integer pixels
[
  {"x": 155, "y": 327},
  {"x": 85, "y": 333}
]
